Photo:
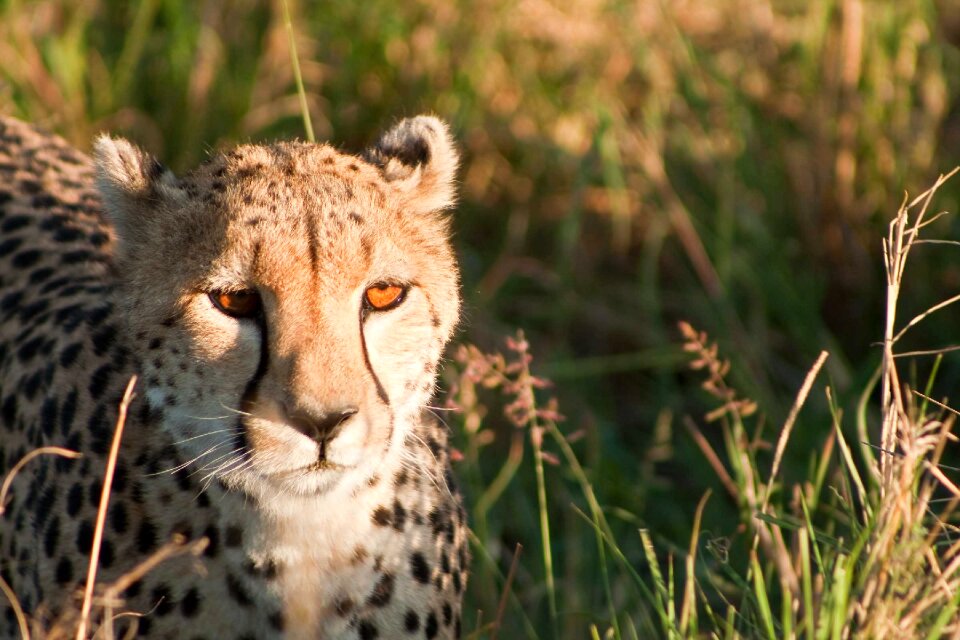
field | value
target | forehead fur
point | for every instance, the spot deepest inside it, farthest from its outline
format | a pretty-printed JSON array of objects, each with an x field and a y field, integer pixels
[{"x": 410, "y": 170}]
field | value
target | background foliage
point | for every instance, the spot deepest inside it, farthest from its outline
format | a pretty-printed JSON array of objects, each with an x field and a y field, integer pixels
[{"x": 627, "y": 165}]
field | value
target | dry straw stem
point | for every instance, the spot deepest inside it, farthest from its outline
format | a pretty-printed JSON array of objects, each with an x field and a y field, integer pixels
[
  {"x": 102, "y": 511},
  {"x": 784, "y": 558},
  {"x": 896, "y": 249}
]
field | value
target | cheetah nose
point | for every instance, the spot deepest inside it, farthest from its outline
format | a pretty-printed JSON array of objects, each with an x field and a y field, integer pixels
[{"x": 321, "y": 427}]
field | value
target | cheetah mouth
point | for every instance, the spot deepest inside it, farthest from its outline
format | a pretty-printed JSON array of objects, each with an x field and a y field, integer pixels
[{"x": 326, "y": 465}]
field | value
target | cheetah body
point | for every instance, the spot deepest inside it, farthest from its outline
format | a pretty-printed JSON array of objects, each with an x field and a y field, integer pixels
[{"x": 317, "y": 527}]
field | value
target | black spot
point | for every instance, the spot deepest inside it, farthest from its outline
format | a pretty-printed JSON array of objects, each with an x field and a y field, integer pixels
[
  {"x": 411, "y": 621},
  {"x": 30, "y": 348},
  {"x": 98, "y": 238},
  {"x": 99, "y": 380},
  {"x": 183, "y": 479},
  {"x": 98, "y": 428},
  {"x": 9, "y": 410},
  {"x": 367, "y": 630},
  {"x": 163, "y": 602},
  {"x": 134, "y": 590},
  {"x": 106, "y": 554},
  {"x": 10, "y": 245},
  {"x": 96, "y": 316},
  {"x": 26, "y": 259},
  {"x": 74, "y": 499},
  {"x": 13, "y": 223},
  {"x": 76, "y": 257},
  {"x": 233, "y": 536},
  {"x": 435, "y": 447},
  {"x": 457, "y": 582},
  {"x": 120, "y": 477},
  {"x": 399, "y": 515},
  {"x": 84, "y": 537},
  {"x": 447, "y": 612},
  {"x": 48, "y": 416},
  {"x": 118, "y": 517},
  {"x": 44, "y": 201},
  {"x": 237, "y": 592},
  {"x": 190, "y": 603},
  {"x": 41, "y": 274},
  {"x": 382, "y": 592},
  {"x": 64, "y": 571},
  {"x": 359, "y": 555},
  {"x": 382, "y": 516},
  {"x": 94, "y": 492},
  {"x": 431, "y": 628},
  {"x": 419, "y": 568},
  {"x": 344, "y": 606},
  {"x": 146, "y": 537},
  {"x": 103, "y": 339},
  {"x": 276, "y": 620},
  {"x": 67, "y": 234}
]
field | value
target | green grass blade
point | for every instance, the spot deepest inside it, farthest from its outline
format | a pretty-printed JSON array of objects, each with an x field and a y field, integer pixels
[
  {"x": 298, "y": 77},
  {"x": 763, "y": 603}
]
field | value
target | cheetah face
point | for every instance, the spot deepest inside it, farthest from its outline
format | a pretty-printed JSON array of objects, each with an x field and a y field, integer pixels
[{"x": 289, "y": 304}]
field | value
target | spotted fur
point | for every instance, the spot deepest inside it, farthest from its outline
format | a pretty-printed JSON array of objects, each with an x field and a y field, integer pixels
[{"x": 294, "y": 438}]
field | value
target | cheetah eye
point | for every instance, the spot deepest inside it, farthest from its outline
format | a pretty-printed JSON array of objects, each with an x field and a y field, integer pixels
[
  {"x": 383, "y": 297},
  {"x": 237, "y": 304}
]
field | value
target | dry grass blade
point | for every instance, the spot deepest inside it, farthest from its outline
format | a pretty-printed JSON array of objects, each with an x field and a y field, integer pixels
[
  {"x": 798, "y": 403},
  {"x": 102, "y": 511},
  {"x": 502, "y": 607},
  {"x": 8, "y": 480},
  {"x": 712, "y": 458},
  {"x": 17, "y": 609},
  {"x": 896, "y": 249}
]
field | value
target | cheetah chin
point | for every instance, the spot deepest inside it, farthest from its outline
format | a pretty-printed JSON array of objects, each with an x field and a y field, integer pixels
[{"x": 284, "y": 308}]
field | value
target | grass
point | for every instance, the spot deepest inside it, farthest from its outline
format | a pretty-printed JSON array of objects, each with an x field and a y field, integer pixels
[{"x": 627, "y": 166}]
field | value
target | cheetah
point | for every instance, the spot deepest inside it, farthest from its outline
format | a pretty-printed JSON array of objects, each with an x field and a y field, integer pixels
[{"x": 284, "y": 308}]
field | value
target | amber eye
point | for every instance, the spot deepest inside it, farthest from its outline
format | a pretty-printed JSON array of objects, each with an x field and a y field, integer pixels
[
  {"x": 237, "y": 304},
  {"x": 383, "y": 297}
]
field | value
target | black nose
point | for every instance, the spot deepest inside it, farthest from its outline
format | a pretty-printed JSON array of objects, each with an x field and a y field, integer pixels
[{"x": 322, "y": 427}]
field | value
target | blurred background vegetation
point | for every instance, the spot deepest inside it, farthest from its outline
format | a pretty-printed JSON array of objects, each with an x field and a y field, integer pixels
[{"x": 627, "y": 165}]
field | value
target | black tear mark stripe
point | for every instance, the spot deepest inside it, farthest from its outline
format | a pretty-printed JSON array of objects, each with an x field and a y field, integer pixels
[
  {"x": 263, "y": 363},
  {"x": 381, "y": 392}
]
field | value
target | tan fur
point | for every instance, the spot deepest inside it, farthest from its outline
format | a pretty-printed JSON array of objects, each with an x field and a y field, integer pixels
[{"x": 357, "y": 535}]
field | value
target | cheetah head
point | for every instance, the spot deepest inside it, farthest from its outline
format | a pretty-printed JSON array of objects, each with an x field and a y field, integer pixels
[{"x": 287, "y": 304}]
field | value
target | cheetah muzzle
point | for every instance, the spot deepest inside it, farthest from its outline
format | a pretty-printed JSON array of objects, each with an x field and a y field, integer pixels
[{"x": 285, "y": 308}]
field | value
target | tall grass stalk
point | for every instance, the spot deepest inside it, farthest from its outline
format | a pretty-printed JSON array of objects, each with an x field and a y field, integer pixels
[{"x": 297, "y": 75}]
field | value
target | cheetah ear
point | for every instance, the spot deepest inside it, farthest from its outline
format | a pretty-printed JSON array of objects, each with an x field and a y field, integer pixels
[
  {"x": 419, "y": 158},
  {"x": 130, "y": 181}
]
